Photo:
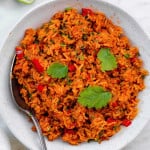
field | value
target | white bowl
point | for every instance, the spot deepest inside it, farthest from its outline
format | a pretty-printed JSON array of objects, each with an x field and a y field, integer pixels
[{"x": 18, "y": 122}]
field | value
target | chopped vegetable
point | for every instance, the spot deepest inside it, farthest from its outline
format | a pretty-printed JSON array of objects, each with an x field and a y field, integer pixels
[
  {"x": 127, "y": 55},
  {"x": 126, "y": 122},
  {"x": 68, "y": 8},
  {"x": 114, "y": 104},
  {"x": 88, "y": 77},
  {"x": 94, "y": 97},
  {"x": 84, "y": 37},
  {"x": 71, "y": 68},
  {"x": 57, "y": 70},
  {"x": 26, "y": 1},
  {"x": 100, "y": 134},
  {"x": 115, "y": 128},
  {"x": 69, "y": 131},
  {"x": 62, "y": 44},
  {"x": 81, "y": 57},
  {"x": 110, "y": 120},
  {"x": 37, "y": 65},
  {"x": 133, "y": 60},
  {"x": 40, "y": 87},
  {"x": 19, "y": 53},
  {"x": 86, "y": 11},
  {"x": 108, "y": 60},
  {"x": 68, "y": 80}
]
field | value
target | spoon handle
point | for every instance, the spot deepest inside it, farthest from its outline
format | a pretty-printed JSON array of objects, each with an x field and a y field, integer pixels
[{"x": 41, "y": 137}]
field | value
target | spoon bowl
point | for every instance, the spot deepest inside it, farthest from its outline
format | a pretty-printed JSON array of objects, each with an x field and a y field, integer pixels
[{"x": 20, "y": 104}]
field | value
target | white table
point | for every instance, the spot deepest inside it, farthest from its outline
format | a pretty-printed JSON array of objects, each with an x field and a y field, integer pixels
[{"x": 11, "y": 12}]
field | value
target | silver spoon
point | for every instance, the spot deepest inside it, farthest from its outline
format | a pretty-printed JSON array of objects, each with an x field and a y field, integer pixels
[{"x": 20, "y": 103}]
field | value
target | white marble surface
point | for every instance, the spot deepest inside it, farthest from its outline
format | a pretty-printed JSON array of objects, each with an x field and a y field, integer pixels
[
  {"x": 11, "y": 12},
  {"x": 4, "y": 141}
]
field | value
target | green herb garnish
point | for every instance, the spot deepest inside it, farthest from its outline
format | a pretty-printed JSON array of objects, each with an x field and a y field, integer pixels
[
  {"x": 26, "y": 57},
  {"x": 90, "y": 140},
  {"x": 62, "y": 44},
  {"x": 26, "y": 1},
  {"x": 68, "y": 81},
  {"x": 81, "y": 57},
  {"x": 29, "y": 95},
  {"x": 84, "y": 37},
  {"x": 108, "y": 60},
  {"x": 68, "y": 8},
  {"x": 94, "y": 97},
  {"x": 115, "y": 128},
  {"x": 101, "y": 133},
  {"x": 127, "y": 56},
  {"x": 57, "y": 70}
]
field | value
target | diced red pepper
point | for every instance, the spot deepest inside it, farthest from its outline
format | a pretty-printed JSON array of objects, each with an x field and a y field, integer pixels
[
  {"x": 88, "y": 77},
  {"x": 68, "y": 111},
  {"x": 86, "y": 11},
  {"x": 133, "y": 59},
  {"x": 40, "y": 87},
  {"x": 37, "y": 65},
  {"x": 126, "y": 122},
  {"x": 114, "y": 104},
  {"x": 69, "y": 131},
  {"x": 19, "y": 52},
  {"x": 110, "y": 120},
  {"x": 49, "y": 80},
  {"x": 71, "y": 67}
]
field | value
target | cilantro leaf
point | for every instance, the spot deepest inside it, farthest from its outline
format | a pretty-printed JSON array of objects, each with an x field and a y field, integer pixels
[
  {"x": 94, "y": 97},
  {"x": 68, "y": 8},
  {"x": 57, "y": 70},
  {"x": 26, "y": 1},
  {"x": 127, "y": 56},
  {"x": 108, "y": 60}
]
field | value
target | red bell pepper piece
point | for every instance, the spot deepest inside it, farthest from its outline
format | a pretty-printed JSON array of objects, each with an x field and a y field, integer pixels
[
  {"x": 40, "y": 87},
  {"x": 126, "y": 122},
  {"x": 88, "y": 77},
  {"x": 19, "y": 52},
  {"x": 114, "y": 104},
  {"x": 86, "y": 11},
  {"x": 133, "y": 59},
  {"x": 37, "y": 65},
  {"x": 71, "y": 67},
  {"x": 110, "y": 120},
  {"x": 69, "y": 131}
]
